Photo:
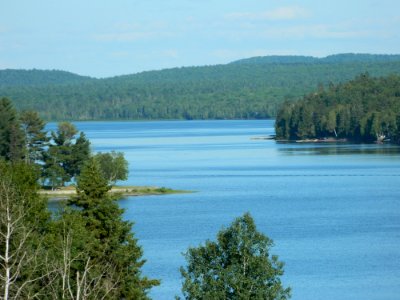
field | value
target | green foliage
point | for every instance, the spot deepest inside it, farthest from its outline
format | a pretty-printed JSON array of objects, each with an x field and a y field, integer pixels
[
  {"x": 11, "y": 136},
  {"x": 117, "y": 245},
  {"x": 365, "y": 109},
  {"x": 70, "y": 249},
  {"x": 65, "y": 133},
  {"x": 237, "y": 266},
  {"x": 24, "y": 178},
  {"x": 113, "y": 166},
  {"x": 65, "y": 155},
  {"x": 80, "y": 152},
  {"x": 34, "y": 77},
  {"x": 35, "y": 135},
  {"x": 91, "y": 185},
  {"x": 53, "y": 172},
  {"x": 247, "y": 89},
  {"x": 23, "y": 222},
  {"x": 87, "y": 251}
]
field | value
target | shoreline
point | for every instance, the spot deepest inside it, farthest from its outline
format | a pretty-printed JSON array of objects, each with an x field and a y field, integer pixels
[
  {"x": 315, "y": 140},
  {"x": 66, "y": 192}
]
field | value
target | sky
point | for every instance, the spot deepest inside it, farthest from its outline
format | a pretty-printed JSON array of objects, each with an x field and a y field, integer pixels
[{"x": 103, "y": 38}]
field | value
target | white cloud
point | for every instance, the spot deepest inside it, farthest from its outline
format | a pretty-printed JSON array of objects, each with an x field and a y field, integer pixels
[{"x": 280, "y": 13}]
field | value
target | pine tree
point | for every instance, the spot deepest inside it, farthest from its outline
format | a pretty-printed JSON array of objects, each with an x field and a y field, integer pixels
[
  {"x": 79, "y": 153},
  {"x": 11, "y": 136},
  {"x": 116, "y": 243},
  {"x": 66, "y": 155},
  {"x": 35, "y": 136}
]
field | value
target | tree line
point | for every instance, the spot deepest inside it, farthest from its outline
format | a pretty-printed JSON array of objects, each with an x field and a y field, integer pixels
[
  {"x": 365, "y": 109},
  {"x": 85, "y": 250},
  {"x": 247, "y": 89},
  {"x": 58, "y": 156}
]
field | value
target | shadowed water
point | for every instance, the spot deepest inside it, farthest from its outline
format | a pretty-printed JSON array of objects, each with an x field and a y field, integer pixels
[{"x": 333, "y": 210}]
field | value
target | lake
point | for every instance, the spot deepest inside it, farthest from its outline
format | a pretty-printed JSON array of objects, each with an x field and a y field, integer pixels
[{"x": 333, "y": 210}]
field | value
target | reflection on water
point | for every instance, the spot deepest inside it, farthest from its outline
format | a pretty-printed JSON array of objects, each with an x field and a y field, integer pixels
[{"x": 337, "y": 149}]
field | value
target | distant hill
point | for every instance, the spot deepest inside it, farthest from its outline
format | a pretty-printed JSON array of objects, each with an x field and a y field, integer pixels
[
  {"x": 10, "y": 77},
  {"x": 337, "y": 58},
  {"x": 276, "y": 59},
  {"x": 244, "y": 89}
]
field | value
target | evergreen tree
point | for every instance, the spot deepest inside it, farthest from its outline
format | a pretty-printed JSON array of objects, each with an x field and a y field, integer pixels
[
  {"x": 237, "y": 266},
  {"x": 75, "y": 274},
  {"x": 35, "y": 136},
  {"x": 11, "y": 136},
  {"x": 65, "y": 155},
  {"x": 92, "y": 187},
  {"x": 117, "y": 245},
  {"x": 65, "y": 133},
  {"x": 80, "y": 152},
  {"x": 53, "y": 171}
]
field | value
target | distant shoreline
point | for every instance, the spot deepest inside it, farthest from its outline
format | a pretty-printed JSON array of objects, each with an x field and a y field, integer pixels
[
  {"x": 322, "y": 140},
  {"x": 66, "y": 192},
  {"x": 311, "y": 140},
  {"x": 331, "y": 141}
]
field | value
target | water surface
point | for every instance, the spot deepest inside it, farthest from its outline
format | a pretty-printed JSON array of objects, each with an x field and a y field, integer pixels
[{"x": 333, "y": 211}]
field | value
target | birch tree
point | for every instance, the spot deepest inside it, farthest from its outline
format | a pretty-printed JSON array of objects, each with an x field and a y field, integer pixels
[
  {"x": 73, "y": 274},
  {"x": 238, "y": 266},
  {"x": 20, "y": 266}
]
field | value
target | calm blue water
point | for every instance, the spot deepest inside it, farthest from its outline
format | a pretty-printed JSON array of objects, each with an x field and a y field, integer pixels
[{"x": 333, "y": 211}]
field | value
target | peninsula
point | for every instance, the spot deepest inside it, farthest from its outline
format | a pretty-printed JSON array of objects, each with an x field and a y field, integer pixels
[{"x": 128, "y": 190}]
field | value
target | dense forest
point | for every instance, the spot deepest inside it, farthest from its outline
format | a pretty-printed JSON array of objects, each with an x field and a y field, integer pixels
[
  {"x": 365, "y": 109},
  {"x": 245, "y": 89}
]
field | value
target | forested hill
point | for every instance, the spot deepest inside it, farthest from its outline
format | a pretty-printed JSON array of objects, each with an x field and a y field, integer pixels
[
  {"x": 19, "y": 78},
  {"x": 249, "y": 88},
  {"x": 331, "y": 59},
  {"x": 365, "y": 109}
]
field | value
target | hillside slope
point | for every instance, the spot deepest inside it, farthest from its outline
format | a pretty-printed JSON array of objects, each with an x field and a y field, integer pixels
[
  {"x": 249, "y": 88},
  {"x": 21, "y": 78}
]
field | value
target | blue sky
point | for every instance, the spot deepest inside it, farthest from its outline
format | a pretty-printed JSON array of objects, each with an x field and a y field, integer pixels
[{"x": 106, "y": 38}]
